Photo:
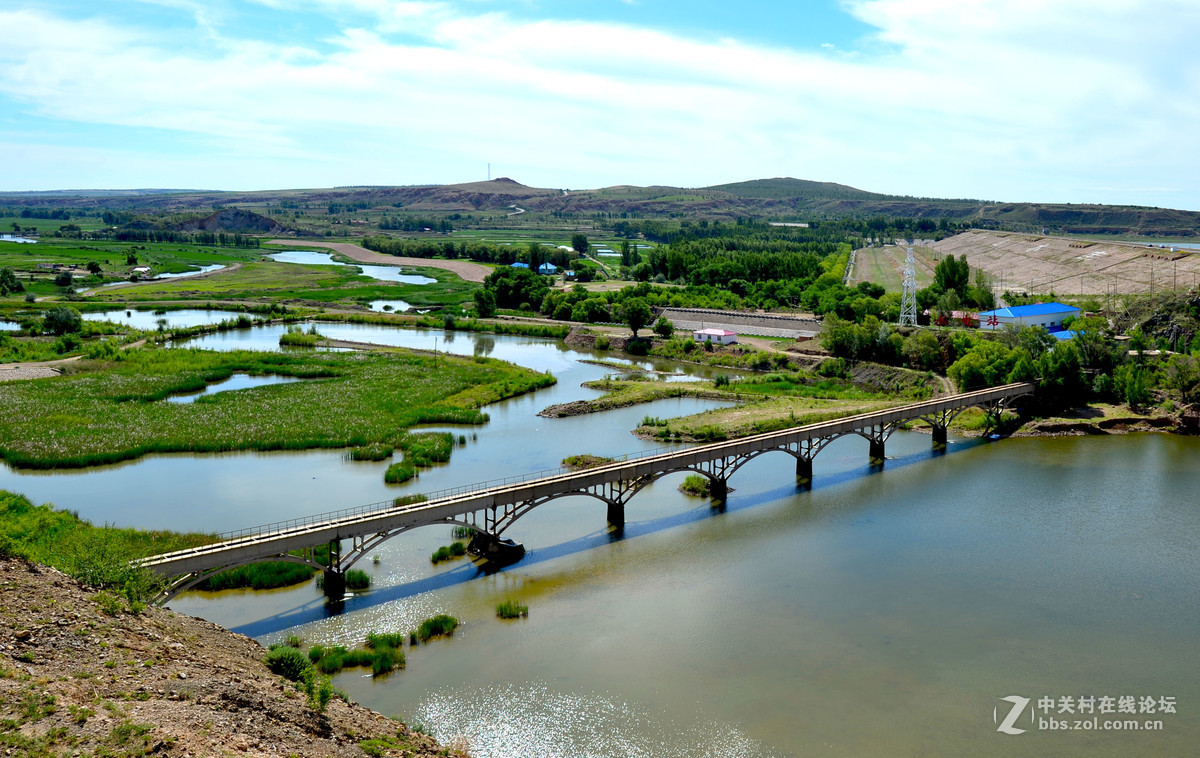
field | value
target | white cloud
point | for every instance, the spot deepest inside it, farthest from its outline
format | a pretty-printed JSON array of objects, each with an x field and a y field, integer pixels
[{"x": 1020, "y": 99}]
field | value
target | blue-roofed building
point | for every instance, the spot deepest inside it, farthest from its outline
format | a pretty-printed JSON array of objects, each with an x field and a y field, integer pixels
[
  {"x": 548, "y": 269},
  {"x": 1048, "y": 315},
  {"x": 518, "y": 265}
]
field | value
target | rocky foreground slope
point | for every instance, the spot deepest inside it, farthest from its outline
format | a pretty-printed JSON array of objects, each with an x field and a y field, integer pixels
[{"x": 81, "y": 677}]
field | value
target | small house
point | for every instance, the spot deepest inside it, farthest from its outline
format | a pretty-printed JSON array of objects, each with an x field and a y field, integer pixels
[
  {"x": 1048, "y": 315},
  {"x": 716, "y": 336},
  {"x": 547, "y": 269},
  {"x": 519, "y": 265}
]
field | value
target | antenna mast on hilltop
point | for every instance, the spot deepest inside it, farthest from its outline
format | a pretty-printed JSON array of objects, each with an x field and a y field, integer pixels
[{"x": 908, "y": 301}]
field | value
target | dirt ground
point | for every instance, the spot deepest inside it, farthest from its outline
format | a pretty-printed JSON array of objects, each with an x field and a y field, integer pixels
[
  {"x": 470, "y": 272},
  {"x": 1066, "y": 266},
  {"x": 77, "y": 680}
]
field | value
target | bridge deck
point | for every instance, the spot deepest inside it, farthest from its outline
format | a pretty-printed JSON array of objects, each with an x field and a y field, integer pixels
[{"x": 379, "y": 518}]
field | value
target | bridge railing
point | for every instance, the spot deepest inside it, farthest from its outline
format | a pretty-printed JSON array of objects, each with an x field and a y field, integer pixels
[{"x": 448, "y": 492}]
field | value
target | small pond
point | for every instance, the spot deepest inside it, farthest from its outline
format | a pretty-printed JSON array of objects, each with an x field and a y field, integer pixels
[
  {"x": 382, "y": 273},
  {"x": 384, "y": 306},
  {"x": 235, "y": 382},
  {"x": 175, "y": 319}
]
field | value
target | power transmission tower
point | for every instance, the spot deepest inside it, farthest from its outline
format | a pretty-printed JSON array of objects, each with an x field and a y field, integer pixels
[{"x": 908, "y": 302}]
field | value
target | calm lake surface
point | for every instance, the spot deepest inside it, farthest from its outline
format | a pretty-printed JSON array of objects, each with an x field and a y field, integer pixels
[{"x": 884, "y": 612}]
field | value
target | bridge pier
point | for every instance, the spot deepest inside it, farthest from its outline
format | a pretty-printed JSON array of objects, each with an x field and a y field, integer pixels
[
  {"x": 804, "y": 474},
  {"x": 334, "y": 584},
  {"x": 718, "y": 491},
  {"x": 616, "y": 516},
  {"x": 939, "y": 436},
  {"x": 877, "y": 452}
]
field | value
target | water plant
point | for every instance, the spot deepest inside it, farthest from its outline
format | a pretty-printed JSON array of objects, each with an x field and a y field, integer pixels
[
  {"x": 511, "y": 609},
  {"x": 357, "y": 579},
  {"x": 695, "y": 485},
  {"x": 446, "y": 553},
  {"x": 441, "y": 625}
]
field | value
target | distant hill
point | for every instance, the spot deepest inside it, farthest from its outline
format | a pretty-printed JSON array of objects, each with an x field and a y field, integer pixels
[
  {"x": 780, "y": 198},
  {"x": 785, "y": 187},
  {"x": 233, "y": 220}
]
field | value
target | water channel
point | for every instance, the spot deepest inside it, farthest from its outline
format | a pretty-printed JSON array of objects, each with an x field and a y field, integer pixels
[{"x": 884, "y": 612}]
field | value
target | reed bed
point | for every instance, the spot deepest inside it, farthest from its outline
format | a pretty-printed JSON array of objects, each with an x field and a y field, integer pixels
[{"x": 107, "y": 411}]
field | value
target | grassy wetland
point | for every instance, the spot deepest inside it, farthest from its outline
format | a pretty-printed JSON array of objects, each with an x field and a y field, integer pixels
[
  {"x": 760, "y": 403},
  {"x": 104, "y": 411}
]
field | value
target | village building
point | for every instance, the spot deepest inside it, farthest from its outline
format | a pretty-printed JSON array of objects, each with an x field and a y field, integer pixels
[
  {"x": 1048, "y": 315},
  {"x": 716, "y": 336}
]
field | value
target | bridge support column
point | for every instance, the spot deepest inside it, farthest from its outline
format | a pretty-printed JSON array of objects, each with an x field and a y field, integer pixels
[
  {"x": 616, "y": 516},
  {"x": 804, "y": 473},
  {"x": 718, "y": 490},
  {"x": 334, "y": 584},
  {"x": 939, "y": 436},
  {"x": 877, "y": 452}
]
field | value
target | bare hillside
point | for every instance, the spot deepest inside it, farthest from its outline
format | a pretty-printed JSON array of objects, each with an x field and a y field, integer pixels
[{"x": 1023, "y": 262}]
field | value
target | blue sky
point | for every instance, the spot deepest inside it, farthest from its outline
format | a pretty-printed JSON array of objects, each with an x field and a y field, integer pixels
[{"x": 1040, "y": 100}]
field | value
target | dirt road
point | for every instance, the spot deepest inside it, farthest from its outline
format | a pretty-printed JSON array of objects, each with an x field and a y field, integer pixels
[{"x": 470, "y": 272}]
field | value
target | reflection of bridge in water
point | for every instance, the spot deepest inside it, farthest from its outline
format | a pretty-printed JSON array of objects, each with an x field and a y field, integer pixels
[{"x": 490, "y": 508}]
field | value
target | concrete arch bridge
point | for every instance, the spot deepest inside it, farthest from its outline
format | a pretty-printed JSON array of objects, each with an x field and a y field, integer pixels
[{"x": 490, "y": 508}]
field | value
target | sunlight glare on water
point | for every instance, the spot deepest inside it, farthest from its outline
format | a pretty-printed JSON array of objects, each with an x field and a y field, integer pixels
[{"x": 535, "y": 720}]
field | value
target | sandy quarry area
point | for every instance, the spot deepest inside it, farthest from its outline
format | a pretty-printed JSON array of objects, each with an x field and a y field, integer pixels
[
  {"x": 470, "y": 272},
  {"x": 1023, "y": 262}
]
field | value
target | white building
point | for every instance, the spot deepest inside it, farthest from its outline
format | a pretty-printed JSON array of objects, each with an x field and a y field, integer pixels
[
  {"x": 1048, "y": 315},
  {"x": 716, "y": 336}
]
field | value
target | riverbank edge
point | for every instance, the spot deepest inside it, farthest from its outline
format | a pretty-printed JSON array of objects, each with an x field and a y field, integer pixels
[{"x": 158, "y": 682}]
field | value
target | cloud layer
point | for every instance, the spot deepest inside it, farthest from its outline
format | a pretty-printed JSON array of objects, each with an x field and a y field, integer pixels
[{"x": 1015, "y": 99}]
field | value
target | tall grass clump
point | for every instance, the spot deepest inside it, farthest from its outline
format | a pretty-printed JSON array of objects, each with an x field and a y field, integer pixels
[
  {"x": 376, "y": 451},
  {"x": 511, "y": 609},
  {"x": 413, "y": 499},
  {"x": 437, "y": 626},
  {"x": 695, "y": 485},
  {"x": 287, "y": 661},
  {"x": 447, "y": 553},
  {"x": 357, "y": 579},
  {"x": 295, "y": 336}
]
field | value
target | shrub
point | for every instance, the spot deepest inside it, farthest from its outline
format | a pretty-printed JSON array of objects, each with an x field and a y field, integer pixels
[
  {"x": 456, "y": 550},
  {"x": 695, "y": 485},
  {"x": 287, "y": 661},
  {"x": 721, "y": 380},
  {"x": 357, "y": 579},
  {"x": 511, "y": 609},
  {"x": 603, "y": 342}
]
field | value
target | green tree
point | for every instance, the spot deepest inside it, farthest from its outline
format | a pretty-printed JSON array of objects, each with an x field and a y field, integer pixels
[
  {"x": 64, "y": 279},
  {"x": 93, "y": 267},
  {"x": 987, "y": 364},
  {"x": 62, "y": 320},
  {"x": 952, "y": 274},
  {"x": 580, "y": 243},
  {"x": 1182, "y": 374},
  {"x": 922, "y": 350},
  {"x": 664, "y": 328},
  {"x": 9, "y": 283},
  {"x": 485, "y": 302},
  {"x": 636, "y": 313}
]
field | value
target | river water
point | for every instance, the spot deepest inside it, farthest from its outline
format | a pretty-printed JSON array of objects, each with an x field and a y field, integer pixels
[{"x": 884, "y": 612}]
